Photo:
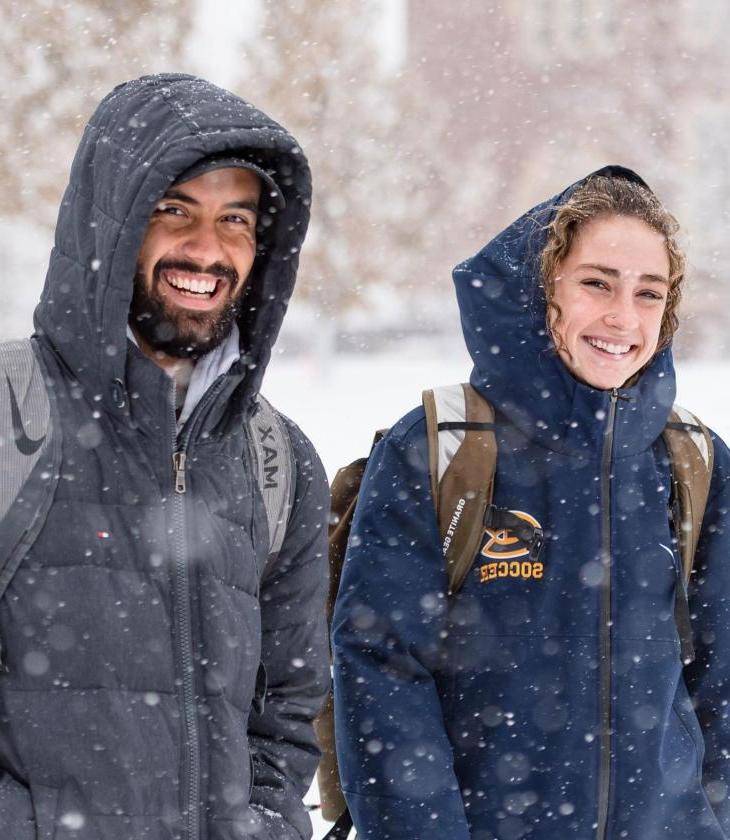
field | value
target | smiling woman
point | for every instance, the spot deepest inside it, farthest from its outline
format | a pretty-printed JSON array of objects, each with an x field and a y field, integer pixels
[
  {"x": 552, "y": 694},
  {"x": 612, "y": 273},
  {"x": 610, "y": 295}
]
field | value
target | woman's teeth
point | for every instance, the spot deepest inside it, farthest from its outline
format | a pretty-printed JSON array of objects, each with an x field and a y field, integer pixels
[{"x": 607, "y": 347}]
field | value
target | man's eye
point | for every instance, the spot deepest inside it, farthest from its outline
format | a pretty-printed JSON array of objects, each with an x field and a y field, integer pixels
[
  {"x": 240, "y": 220},
  {"x": 169, "y": 210}
]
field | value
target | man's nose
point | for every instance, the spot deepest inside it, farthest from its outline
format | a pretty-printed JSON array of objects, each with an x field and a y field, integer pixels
[{"x": 202, "y": 244}]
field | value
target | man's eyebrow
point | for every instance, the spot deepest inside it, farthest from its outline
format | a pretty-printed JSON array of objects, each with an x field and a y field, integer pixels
[
  {"x": 238, "y": 204},
  {"x": 242, "y": 205},
  {"x": 614, "y": 272},
  {"x": 179, "y": 195}
]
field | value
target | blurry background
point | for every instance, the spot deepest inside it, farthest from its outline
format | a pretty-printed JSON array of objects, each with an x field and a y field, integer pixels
[{"x": 429, "y": 126}]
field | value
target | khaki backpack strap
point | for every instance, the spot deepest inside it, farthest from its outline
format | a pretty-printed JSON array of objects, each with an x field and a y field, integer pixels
[
  {"x": 343, "y": 497},
  {"x": 432, "y": 435},
  {"x": 332, "y": 800},
  {"x": 462, "y": 460},
  {"x": 692, "y": 456}
]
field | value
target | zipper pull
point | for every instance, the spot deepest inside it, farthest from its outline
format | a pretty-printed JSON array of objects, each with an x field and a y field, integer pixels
[{"x": 178, "y": 461}]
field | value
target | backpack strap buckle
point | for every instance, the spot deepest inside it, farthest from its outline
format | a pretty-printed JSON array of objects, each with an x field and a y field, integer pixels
[{"x": 502, "y": 519}]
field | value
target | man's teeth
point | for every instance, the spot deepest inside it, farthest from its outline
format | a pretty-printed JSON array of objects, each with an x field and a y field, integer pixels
[
  {"x": 615, "y": 349},
  {"x": 192, "y": 284}
]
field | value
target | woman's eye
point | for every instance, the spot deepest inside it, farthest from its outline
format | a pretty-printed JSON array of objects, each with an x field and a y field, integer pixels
[
  {"x": 649, "y": 295},
  {"x": 594, "y": 283}
]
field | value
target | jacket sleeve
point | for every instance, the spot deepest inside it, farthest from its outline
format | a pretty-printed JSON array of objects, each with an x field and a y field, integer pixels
[
  {"x": 708, "y": 678},
  {"x": 295, "y": 654},
  {"x": 394, "y": 753}
]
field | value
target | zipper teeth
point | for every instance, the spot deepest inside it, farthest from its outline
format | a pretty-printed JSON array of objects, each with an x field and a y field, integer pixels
[
  {"x": 185, "y": 647},
  {"x": 182, "y": 588},
  {"x": 182, "y": 592},
  {"x": 605, "y": 628}
]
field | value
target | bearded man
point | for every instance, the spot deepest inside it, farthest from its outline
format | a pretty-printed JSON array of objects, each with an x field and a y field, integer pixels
[{"x": 164, "y": 656}]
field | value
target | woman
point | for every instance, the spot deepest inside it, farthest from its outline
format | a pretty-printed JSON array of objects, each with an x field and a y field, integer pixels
[{"x": 554, "y": 705}]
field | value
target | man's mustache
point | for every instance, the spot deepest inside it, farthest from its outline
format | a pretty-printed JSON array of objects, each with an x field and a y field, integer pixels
[{"x": 216, "y": 269}]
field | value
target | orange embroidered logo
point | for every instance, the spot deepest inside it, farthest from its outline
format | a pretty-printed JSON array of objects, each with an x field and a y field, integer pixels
[{"x": 508, "y": 546}]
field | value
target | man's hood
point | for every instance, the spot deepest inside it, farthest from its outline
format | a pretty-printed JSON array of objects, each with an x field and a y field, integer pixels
[
  {"x": 143, "y": 135},
  {"x": 502, "y": 306}
]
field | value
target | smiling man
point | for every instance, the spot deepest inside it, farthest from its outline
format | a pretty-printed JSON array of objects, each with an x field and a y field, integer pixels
[
  {"x": 194, "y": 261},
  {"x": 163, "y": 635}
]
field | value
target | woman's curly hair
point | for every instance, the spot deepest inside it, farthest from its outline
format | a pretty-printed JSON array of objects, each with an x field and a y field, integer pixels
[{"x": 599, "y": 197}]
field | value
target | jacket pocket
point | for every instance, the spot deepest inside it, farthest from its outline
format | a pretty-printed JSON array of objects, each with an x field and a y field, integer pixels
[
  {"x": 259, "y": 696},
  {"x": 16, "y": 810},
  {"x": 252, "y": 771}
]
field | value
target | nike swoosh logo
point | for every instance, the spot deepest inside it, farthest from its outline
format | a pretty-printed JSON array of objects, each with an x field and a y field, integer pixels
[{"x": 26, "y": 445}]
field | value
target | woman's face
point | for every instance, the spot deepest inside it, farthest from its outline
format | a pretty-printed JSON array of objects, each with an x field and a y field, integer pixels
[{"x": 611, "y": 289}]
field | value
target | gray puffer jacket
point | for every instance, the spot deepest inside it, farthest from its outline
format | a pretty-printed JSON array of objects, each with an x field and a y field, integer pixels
[{"x": 162, "y": 673}]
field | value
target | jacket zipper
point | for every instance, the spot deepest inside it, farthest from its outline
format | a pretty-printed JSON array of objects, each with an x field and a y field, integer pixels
[
  {"x": 604, "y": 777},
  {"x": 183, "y": 606},
  {"x": 191, "y": 765}
]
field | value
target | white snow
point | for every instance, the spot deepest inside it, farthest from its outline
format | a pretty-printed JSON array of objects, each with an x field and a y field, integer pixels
[{"x": 340, "y": 403}]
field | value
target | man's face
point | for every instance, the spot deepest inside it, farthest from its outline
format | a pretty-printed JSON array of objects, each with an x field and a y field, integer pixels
[{"x": 194, "y": 261}]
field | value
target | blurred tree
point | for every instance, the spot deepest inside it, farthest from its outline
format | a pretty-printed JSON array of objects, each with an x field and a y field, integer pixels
[
  {"x": 62, "y": 57},
  {"x": 381, "y": 188}
]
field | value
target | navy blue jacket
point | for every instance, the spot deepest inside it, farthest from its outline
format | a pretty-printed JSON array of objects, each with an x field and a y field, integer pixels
[
  {"x": 538, "y": 702},
  {"x": 138, "y": 629}
]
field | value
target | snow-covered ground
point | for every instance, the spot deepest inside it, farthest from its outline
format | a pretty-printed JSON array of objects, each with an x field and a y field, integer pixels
[{"x": 340, "y": 403}]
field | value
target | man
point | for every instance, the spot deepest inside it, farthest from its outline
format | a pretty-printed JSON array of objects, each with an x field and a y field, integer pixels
[{"x": 142, "y": 627}]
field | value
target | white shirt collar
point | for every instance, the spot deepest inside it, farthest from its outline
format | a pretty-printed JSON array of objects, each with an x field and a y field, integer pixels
[{"x": 207, "y": 369}]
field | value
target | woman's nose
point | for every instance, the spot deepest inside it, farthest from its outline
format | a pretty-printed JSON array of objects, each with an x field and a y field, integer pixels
[{"x": 622, "y": 316}]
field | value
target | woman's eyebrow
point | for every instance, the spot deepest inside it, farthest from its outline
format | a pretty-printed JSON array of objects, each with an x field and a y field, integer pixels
[{"x": 614, "y": 272}]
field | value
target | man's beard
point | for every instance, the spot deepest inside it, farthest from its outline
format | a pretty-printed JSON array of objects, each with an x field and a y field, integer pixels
[{"x": 182, "y": 333}]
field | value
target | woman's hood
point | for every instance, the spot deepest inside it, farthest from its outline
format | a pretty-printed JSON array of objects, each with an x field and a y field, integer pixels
[{"x": 503, "y": 314}]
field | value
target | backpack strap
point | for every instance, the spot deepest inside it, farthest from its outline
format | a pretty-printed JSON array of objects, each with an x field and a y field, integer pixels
[
  {"x": 691, "y": 454},
  {"x": 344, "y": 493},
  {"x": 342, "y": 827},
  {"x": 462, "y": 450},
  {"x": 270, "y": 448},
  {"x": 30, "y": 453}
]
